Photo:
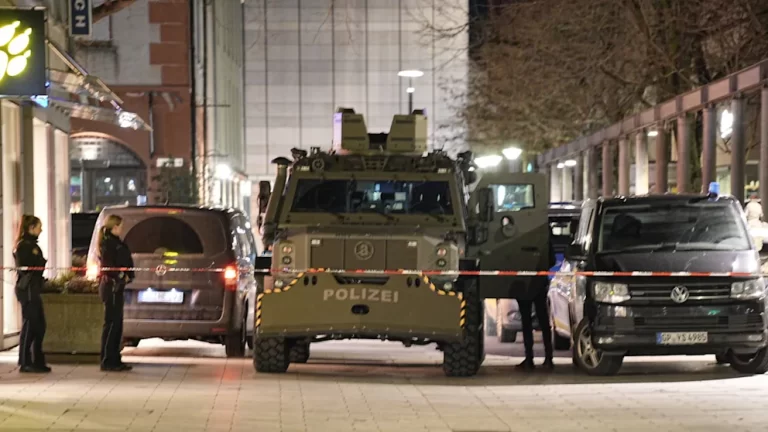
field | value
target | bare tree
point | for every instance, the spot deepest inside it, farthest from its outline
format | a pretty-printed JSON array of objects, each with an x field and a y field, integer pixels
[{"x": 547, "y": 71}]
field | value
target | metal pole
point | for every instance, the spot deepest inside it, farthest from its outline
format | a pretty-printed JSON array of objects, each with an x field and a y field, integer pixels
[
  {"x": 641, "y": 163},
  {"x": 763, "y": 168},
  {"x": 662, "y": 161},
  {"x": 683, "y": 155},
  {"x": 590, "y": 167},
  {"x": 410, "y": 90},
  {"x": 624, "y": 166},
  {"x": 607, "y": 169},
  {"x": 578, "y": 179},
  {"x": 708, "y": 148},
  {"x": 738, "y": 150}
]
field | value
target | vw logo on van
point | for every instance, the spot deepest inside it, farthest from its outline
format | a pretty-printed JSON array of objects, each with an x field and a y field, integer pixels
[
  {"x": 680, "y": 294},
  {"x": 161, "y": 270}
]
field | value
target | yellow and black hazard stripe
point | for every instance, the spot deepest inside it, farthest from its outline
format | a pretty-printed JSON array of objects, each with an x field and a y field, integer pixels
[
  {"x": 260, "y": 296},
  {"x": 459, "y": 295}
]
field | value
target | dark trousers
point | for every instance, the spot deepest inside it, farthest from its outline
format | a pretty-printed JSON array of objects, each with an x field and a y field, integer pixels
[
  {"x": 32, "y": 334},
  {"x": 112, "y": 332},
  {"x": 539, "y": 301}
]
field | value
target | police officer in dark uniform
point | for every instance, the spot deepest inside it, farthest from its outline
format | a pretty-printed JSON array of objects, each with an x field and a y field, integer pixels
[
  {"x": 29, "y": 287},
  {"x": 114, "y": 254},
  {"x": 536, "y": 297}
]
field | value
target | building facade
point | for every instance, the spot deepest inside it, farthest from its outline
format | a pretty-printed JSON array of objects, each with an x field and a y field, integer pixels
[
  {"x": 306, "y": 58},
  {"x": 178, "y": 64},
  {"x": 34, "y": 145}
]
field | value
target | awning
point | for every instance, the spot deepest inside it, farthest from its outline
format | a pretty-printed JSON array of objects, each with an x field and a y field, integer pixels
[{"x": 91, "y": 93}]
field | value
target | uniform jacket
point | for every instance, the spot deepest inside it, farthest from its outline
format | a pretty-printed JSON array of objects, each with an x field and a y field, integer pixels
[
  {"x": 115, "y": 253},
  {"x": 29, "y": 285}
]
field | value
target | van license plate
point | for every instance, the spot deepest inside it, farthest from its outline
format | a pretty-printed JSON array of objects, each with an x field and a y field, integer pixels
[
  {"x": 690, "y": 338},
  {"x": 174, "y": 297}
]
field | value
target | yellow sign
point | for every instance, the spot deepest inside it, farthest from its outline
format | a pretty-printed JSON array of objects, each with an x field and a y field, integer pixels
[{"x": 13, "y": 49}]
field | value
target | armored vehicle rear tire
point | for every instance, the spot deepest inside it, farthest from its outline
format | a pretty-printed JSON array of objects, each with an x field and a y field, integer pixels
[
  {"x": 299, "y": 352},
  {"x": 463, "y": 359},
  {"x": 270, "y": 355}
]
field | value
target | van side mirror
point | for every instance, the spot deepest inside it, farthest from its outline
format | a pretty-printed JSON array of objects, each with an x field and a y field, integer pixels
[
  {"x": 575, "y": 252},
  {"x": 485, "y": 201},
  {"x": 262, "y": 200}
]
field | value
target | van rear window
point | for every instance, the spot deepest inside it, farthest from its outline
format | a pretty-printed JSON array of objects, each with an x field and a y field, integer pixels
[{"x": 163, "y": 234}]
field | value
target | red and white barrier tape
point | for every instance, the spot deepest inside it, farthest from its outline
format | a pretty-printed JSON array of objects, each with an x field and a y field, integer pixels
[{"x": 162, "y": 270}]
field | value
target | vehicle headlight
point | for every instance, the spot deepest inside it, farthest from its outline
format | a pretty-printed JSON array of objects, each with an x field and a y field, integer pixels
[
  {"x": 606, "y": 292},
  {"x": 287, "y": 260},
  {"x": 286, "y": 249},
  {"x": 751, "y": 289}
]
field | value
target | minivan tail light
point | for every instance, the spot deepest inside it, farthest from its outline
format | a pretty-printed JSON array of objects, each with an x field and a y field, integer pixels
[{"x": 230, "y": 278}]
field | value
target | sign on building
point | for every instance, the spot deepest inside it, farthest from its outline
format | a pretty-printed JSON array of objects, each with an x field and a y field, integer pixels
[
  {"x": 170, "y": 162},
  {"x": 22, "y": 53},
  {"x": 80, "y": 18}
]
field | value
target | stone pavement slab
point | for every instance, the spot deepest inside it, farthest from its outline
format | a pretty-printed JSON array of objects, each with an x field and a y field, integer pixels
[{"x": 375, "y": 386}]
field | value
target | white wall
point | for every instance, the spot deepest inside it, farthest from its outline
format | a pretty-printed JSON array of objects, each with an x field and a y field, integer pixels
[
  {"x": 11, "y": 214},
  {"x": 305, "y": 60}
]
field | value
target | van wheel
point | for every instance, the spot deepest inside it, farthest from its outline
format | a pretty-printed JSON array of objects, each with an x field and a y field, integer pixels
[
  {"x": 234, "y": 342},
  {"x": 503, "y": 335},
  {"x": 560, "y": 343},
  {"x": 721, "y": 359},
  {"x": 463, "y": 358},
  {"x": 755, "y": 364},
  {"x": 590, "y": 359},
  {"x": 270, "y": 355},
  {"x": 299, "y": 352}
]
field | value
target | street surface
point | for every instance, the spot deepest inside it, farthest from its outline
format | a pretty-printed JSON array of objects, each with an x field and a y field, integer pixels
[{"x": 376, "y": 386}]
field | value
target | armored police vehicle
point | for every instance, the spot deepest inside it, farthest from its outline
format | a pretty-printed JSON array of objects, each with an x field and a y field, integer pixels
[{"x": 366, "y": 242}]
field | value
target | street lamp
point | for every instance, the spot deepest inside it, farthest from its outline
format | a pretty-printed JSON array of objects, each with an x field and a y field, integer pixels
[
  {"x": 410, "y": 74},
  {"x": 489, "y": 161},
  {"x": 512, "y": 153}
]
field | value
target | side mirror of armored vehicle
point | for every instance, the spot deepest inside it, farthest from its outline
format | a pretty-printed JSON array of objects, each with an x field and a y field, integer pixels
[
  {"x": 264, "y": 194},
  {"x": 575, "y": 252},
  {"x": 485, "y": 201}
]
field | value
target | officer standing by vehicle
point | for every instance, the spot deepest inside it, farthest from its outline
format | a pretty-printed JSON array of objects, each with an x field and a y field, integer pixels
[
  {"x": 114, "y": 254},
  {"x": 536, "y": 296},
  {"x": 29, "y": 287}
]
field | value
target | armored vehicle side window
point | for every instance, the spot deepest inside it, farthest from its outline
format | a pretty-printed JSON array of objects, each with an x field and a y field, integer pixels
[
  {"x": 353, "y": 196},
  {"x": 163, "y": 233},
  {"x": 682, "y": 226},
  {"x": 513, "y": 197}
]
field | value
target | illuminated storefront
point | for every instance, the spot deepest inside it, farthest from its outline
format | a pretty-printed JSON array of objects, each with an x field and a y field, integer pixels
[{"x": 41, "y": 87}]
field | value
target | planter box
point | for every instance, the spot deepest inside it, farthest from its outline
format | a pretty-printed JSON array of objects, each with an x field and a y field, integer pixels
[{"x": 74, "y": 323}]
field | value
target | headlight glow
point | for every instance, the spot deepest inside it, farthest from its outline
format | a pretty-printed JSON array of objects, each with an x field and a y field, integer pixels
[
  {"x": 750, "y": 289},
  {"x": 606, "y": 292}
]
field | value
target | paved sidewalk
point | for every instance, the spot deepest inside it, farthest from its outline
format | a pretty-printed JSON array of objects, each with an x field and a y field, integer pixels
[{"x": 373, "y": 386}]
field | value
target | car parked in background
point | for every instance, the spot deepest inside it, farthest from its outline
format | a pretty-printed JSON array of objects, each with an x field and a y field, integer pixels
[
  {"x": 504, "y": 314},
  {"x": 611, "y": 316},
  {"x": 214, "y": 302}
]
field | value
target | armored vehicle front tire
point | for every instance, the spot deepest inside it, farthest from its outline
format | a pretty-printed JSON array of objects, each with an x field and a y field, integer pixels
[
  {"x": 463, "y": 359},
  {"x": 270, "y": 355},
  {"x": 299, "y": 352}
]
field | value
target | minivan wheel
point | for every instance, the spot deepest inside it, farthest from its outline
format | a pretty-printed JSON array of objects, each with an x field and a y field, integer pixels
[
  {"x": 270, "y": 355},
  {"x": 590, "y": 359},
  {"x": 503, "y": 335},
  {"x": 721, "y": 359},
  {"x": 234, "y": 342},
  {"x": 755, "y": 364}
]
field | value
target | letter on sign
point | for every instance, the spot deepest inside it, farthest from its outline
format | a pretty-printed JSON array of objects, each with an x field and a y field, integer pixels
[{"x": 80, "y": 17}]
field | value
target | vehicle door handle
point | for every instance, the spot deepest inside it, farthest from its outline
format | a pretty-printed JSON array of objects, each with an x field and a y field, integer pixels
[
  {"x": 530, "y": 249},
  {"x": 485, "y": 252}
]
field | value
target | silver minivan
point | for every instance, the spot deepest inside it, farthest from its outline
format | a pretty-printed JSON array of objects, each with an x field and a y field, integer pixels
[{"x": 212, "y": 300}]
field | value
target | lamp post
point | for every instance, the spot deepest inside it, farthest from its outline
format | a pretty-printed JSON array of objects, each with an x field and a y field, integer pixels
[{"x": 410, "y": 74}]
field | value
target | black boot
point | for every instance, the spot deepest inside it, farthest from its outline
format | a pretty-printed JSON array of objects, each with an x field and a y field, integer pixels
[
  {"x": 526, "y": 365},
  {"x": 548, "y": 364}
]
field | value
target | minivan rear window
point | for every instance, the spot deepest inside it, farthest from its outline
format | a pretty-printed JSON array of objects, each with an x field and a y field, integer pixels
[{"x": 163, "y": 234}]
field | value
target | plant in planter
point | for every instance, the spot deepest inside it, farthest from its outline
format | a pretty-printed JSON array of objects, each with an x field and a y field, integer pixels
[{"x": 74, "y": 314}]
